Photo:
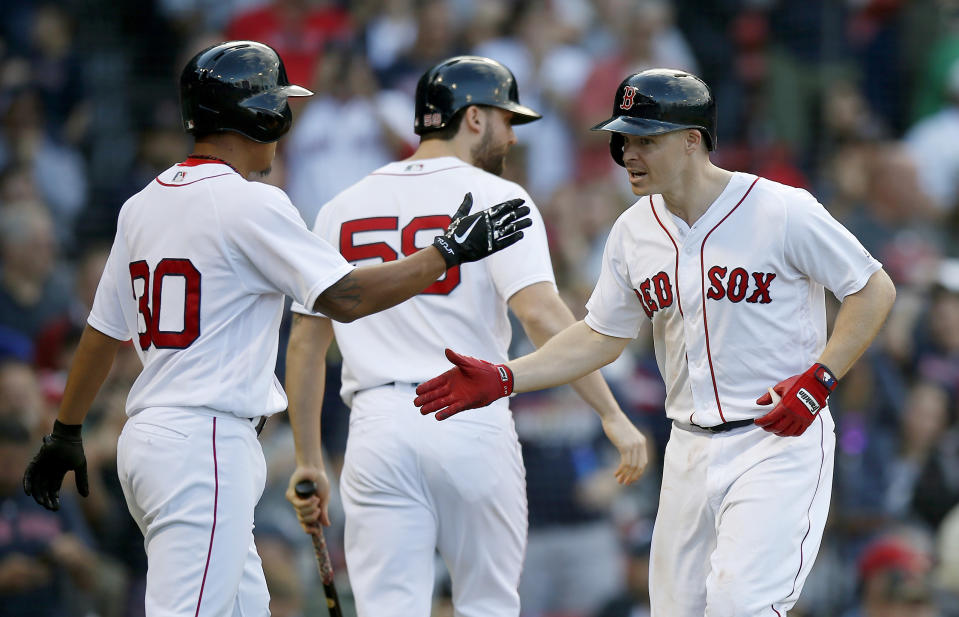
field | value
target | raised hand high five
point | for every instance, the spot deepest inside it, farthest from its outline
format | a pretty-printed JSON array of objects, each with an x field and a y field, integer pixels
[{"x": 471, "y": 237}]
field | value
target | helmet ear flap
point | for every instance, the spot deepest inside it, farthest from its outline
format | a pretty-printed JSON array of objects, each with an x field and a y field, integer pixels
[{"x": 616, "y": 144}]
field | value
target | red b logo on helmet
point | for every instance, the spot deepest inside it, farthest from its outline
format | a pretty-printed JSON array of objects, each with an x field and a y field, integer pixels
[{"x": 628, "y": 93}]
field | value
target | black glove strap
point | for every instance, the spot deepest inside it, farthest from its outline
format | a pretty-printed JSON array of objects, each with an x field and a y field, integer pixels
[
  {"x": 445, "y": 247},
  {"x": 69, "y": 432}
]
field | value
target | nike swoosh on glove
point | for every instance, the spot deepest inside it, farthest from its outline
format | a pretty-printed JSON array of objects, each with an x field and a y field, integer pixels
[
  {"x": 471, "y": 237},
  {"x": 803, "y": 396},
  {"x": 470, "y": 384}
]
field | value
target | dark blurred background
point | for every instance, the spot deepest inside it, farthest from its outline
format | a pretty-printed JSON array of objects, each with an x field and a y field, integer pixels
[{"x": 855, "y": 100}]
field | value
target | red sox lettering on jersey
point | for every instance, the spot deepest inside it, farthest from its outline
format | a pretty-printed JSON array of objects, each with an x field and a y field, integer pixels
[
  {"x": 656, "y": 292},
  {"x": 746, "y": 278}
]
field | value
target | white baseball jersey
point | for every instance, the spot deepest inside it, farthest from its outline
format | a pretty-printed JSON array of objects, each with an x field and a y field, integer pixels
[
  {"x": 404, "y": 471},
  {"x": 397, "y": 210},
  {"x": 196, "y": 277},
  {"x": 736, "y": 301}
]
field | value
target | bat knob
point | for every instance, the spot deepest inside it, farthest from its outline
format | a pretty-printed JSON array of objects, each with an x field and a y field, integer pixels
[{"x": 305, "y": 488}]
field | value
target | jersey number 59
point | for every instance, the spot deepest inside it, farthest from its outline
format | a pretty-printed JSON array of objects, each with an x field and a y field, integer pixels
[
  {"x": 150, "y": 311},
  {"x": 355, "y": 252}
]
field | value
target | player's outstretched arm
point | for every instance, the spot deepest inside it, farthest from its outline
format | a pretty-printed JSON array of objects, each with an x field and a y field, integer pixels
[
  {"x": 62, "y": 449},
  {"x": 469, "y": 237},
  {"x": 802, "y": 396},
  {"x": 544, "y": 314},
  {"x": 573, "y": 353},
  {"x": 310, "y": 338}
]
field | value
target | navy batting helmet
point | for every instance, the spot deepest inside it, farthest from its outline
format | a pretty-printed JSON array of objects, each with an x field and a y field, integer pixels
[
  {"x": 660, "y": 101},
  {"x": 238, "y": 86},
  {"x": 459, "y": 82}
]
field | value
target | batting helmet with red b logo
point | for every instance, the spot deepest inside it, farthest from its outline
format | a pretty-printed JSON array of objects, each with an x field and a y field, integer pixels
[{"x": 660, "y": 101}]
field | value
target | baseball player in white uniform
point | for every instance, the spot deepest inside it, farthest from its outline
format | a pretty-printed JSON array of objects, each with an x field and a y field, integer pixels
[
  {"x": 411, "y": 487},
  {"x": 729, "y": 270},
  {"x": 196, "y": 278}
]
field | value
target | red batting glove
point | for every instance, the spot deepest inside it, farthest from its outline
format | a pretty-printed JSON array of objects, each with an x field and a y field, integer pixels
[
  {"x": 470, "y": 384},
  {"x": 802, "y": 398}
]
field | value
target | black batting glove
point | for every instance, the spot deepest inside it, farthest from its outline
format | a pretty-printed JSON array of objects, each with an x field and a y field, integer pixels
[
  {"x": 471, "y": 237},
  {"x": 62, "y": 451}
]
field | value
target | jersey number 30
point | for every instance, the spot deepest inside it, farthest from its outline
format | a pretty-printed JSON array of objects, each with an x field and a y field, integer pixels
[
  {"x": 150, "y": 311},
  {"x": 356, "y": 252}
]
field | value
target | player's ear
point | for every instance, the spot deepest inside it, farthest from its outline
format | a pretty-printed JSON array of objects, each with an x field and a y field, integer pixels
[
  {"x": 474, "y": 119},
  {"x": 694, "y": 140}
]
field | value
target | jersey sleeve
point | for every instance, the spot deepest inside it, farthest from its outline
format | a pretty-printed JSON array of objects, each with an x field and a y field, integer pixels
[
  {"x": 321, "y": 228},
  {"x": 276, "y": 252},
  {"x": 106, "y": 316},
  {"x": 526, "y": 262},
  {"x": 613, "y": 309},
  {"x": 819, "y": 246}
]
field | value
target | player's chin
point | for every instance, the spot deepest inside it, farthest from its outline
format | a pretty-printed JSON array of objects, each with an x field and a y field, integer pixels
[{"x": 639, "y": 183}]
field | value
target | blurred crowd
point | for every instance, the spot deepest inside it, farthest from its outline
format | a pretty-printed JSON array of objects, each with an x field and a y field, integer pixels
[{"x": 855, "y": 100}]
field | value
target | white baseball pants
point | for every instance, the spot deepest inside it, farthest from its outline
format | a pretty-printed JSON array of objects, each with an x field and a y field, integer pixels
[
  {"x": 741, "y": 516},
  {"x": 191, "y": 479},
  {"x": 411, "y": 486}
]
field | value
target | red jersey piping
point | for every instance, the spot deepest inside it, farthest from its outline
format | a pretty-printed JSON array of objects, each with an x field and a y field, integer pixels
[
  {"x": 193, "y": 161},
  {"x": 676, "y": 248},
  {"x": 702, "y": 274},
  {"x": 822, "y": 460},
  {"x": 216, "y": 496}
]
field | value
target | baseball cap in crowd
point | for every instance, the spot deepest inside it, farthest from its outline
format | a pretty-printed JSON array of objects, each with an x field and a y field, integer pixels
[{"x": 903, "y": 568}]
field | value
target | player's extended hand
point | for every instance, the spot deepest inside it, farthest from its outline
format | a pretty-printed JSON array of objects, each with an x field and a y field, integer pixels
[
  {"x": 471, "y": 237},
  {"x": 470, "y": 384},
  {"x": 631, "y": 443},
  {"x": 62, "y": 451},
  {"x": 802, "y": 398},
  {"x": 311, "y": 511}
]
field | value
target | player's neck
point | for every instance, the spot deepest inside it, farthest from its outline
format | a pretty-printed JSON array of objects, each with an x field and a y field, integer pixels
[
  {"x": 437, "y": 148},
  {"x": 696, "y": 191},
  {"x": 245, "y": 156}
]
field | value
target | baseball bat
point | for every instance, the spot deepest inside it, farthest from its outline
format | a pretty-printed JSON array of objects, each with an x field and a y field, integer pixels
[{"x": 304, "y": 489}]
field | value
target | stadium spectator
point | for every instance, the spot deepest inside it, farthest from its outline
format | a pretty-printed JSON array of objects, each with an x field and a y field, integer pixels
[
  {"x": 933, "y": 143},
  {"x": 894, "y": 580},
  {"x": 47, "y": 565},
  {"x": 32, "y": 293},
  {"x": 341, "y": 135}
]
